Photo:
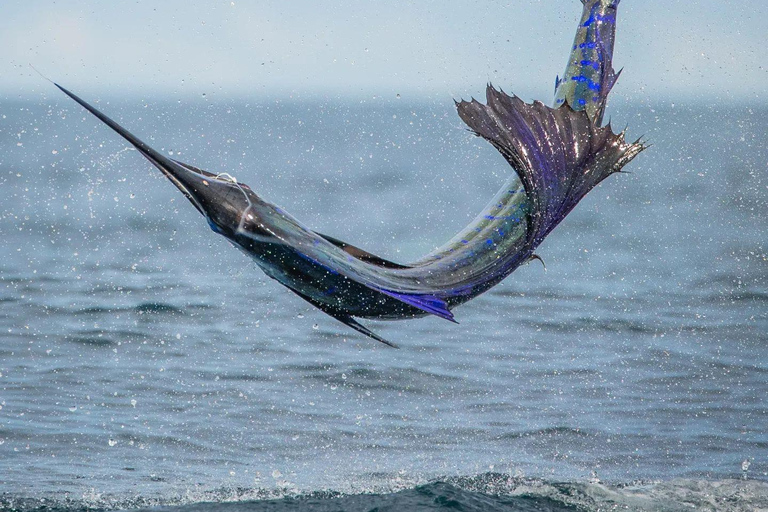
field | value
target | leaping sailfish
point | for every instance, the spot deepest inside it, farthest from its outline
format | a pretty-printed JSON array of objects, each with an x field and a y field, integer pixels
[{"x": 558, "y": 154}]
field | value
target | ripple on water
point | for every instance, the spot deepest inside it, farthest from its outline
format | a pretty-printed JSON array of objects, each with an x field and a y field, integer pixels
[
  {"x": 141, "y": 309},
  {"x": 157, "y": 307},
  {"x": 561, "y": 431},
  {"x": 485, "y": 492},
  {"x": 94, "y": 340}
]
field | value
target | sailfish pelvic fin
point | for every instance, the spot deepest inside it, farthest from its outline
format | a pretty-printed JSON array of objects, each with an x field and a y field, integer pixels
[
  {"x": 343, "y": 318},
  {"x": 354, "y": 324}
]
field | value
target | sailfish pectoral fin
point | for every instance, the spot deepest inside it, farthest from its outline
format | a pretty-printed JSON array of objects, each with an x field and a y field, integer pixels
[
  {"x": 354, "y": 324},
  {"x": 344, "y": 318}
]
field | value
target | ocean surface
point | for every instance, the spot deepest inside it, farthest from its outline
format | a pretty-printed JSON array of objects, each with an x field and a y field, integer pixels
[{"x": 146, "y": 363}]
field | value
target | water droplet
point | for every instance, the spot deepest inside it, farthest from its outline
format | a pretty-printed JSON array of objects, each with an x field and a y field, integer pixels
[
  {"x": 73, "y": 408},
  {"x": 276, "y": 473},
  {"x": 112, "y": 442},
  {"x": 133, "y": 402},
  {"x": 54, "y": 152},
  {"x": 203, "y": 95},
  {"x": 300, "y": 315},
  {"x": 343, "y": 376},
  {"x": 398, "y": 96},
  {"x": 315, "y": 327}
]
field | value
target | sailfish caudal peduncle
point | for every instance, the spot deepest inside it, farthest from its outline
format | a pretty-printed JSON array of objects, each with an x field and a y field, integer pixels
[{"x": 558, "y": 154}]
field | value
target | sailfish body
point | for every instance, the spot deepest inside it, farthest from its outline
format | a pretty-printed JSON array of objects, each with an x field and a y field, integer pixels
[{"x": 558, "y": 155}]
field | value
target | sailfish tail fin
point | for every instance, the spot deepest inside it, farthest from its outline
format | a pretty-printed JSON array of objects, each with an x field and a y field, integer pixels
[{"x": 560, "y": 154}]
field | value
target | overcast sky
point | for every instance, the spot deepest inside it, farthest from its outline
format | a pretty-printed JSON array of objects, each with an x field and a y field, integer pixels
[{"x": 678, "y": 49}]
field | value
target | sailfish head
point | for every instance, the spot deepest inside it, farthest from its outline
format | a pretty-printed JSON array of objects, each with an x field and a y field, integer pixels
[{"x": 219, "y": 197}]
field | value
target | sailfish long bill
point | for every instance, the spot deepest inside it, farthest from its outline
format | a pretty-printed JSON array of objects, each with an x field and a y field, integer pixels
[{"x": 558, "y": 155}]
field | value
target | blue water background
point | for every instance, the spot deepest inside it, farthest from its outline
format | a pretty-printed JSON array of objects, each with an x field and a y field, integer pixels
[{"x": 142, "y": 356}]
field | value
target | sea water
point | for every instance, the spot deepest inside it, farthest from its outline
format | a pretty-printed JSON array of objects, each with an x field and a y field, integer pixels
[{"x": 145, "y": 362}]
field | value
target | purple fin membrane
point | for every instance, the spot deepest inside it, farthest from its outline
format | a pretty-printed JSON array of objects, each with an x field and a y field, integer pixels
[
  {"x": 428, "y": 303},
  {"x": 559, "y": 153}
]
